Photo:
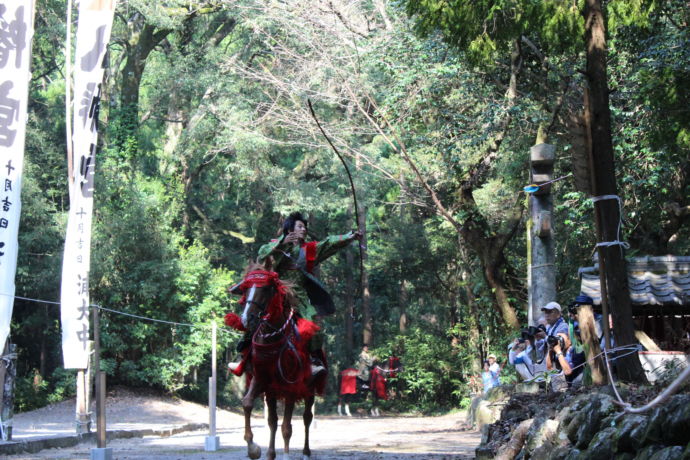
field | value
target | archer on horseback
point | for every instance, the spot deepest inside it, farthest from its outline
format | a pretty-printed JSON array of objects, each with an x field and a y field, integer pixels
[{"x": 296, "y": 261}]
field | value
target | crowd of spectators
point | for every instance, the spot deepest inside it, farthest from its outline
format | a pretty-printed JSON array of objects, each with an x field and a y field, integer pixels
[
  {"x": 553, "y": 348},
  {"x": 550, "y": 351}
]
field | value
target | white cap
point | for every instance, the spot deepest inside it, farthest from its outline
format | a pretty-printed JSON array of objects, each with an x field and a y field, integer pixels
[{"x": 551, "y": 306}]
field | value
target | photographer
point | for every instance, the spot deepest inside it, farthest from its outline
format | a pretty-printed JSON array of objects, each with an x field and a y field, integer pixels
[
  {"x": 555, "y": 324},
  {"x": 521, "y": 353},
  {"x": 563, "y": 357}
]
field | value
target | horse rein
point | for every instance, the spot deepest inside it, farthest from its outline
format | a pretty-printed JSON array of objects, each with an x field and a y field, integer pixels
[
  {"x": 276, "y": 331},
  {"x": 286, "y": 345}
]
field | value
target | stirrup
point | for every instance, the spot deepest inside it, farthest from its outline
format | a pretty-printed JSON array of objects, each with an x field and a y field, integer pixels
[
  {"x": 317, "y": 369},
  {"x": 237, "y": 368}
]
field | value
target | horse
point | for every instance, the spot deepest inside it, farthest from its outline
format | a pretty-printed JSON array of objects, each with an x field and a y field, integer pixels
[
  {"x": 351, "y": 385},
  {"x": 277, "y": 364}
]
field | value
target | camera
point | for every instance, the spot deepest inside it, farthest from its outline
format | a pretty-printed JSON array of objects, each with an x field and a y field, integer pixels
[
  {"x": 552, "y": 340},
  {"x": 528, "y": 334}
]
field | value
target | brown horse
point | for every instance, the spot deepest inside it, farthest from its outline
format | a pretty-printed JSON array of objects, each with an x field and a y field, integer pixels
[{"x": 277, "y": 363}]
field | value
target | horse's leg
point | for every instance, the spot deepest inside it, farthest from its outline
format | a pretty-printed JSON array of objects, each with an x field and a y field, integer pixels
[
  {"x": 286, "y": 428},
  {"x": 253, "y": 450},
  {"x": 273, "y": 426},
  {"x": 307, "y": 417}
]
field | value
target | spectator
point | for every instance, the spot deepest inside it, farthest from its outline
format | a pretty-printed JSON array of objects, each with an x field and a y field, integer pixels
[
  {"x": 364, "y": 364},
  {"x": 555, "y": 324},
  {"x": 582, "y": 300},
  {"x": 563, "y": 357},
  {"x": 521, "y": 355},
  {"x": 489, "y": 378},
  {"x": 495, "y": 369}
]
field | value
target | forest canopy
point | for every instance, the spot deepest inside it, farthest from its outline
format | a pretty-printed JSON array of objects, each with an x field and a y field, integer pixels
[{"x": 206, "y": 142}]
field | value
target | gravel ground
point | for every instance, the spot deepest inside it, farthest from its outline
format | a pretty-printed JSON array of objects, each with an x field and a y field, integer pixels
[{"x": 332, "y": 437}]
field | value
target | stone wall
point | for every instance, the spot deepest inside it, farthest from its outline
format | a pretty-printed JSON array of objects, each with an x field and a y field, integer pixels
[{"x": 589, "y": 425}]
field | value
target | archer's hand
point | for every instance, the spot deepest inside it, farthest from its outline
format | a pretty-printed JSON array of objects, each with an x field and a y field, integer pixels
[
  {"x": 293, "y": 238},
  {"x": 357, "y": 235}
]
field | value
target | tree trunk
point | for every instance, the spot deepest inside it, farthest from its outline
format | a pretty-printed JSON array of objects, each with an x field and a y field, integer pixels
[
  {"x": 403, "y": 299},
  {"x": 43, "y": 358},
  {"x": 350, "y": 289},
  {"x": 367, "y": 321},
  {"x": 142, "y": 39},
  {"x": 475, "y": 327},
  {"x": 613, "y": 270},
  {"x": 591, "y": 341},
  {"x": 490, "y": 249}
]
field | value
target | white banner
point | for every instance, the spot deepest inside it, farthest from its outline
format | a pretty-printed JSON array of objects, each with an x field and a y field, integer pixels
[
  {"x": 93, "y": 34},
  {"x": 16, "y": 33}
]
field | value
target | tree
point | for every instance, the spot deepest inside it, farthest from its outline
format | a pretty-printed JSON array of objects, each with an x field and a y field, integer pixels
[{"x": 612, "y": 264}]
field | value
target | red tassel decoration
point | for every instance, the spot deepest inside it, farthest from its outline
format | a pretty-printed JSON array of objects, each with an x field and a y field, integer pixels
[{"x": 234, "y": 321}]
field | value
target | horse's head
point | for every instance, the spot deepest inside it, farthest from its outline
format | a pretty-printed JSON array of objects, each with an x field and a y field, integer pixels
[{"x": 263, "y": 296}]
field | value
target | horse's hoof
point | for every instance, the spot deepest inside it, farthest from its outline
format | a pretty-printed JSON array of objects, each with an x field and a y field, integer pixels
[{"x": 253, "y": 451}]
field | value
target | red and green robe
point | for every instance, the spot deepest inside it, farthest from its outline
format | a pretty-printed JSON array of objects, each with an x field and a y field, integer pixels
[{"x": 307, "y": 257}]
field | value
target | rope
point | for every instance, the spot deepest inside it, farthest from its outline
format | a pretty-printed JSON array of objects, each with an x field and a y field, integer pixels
[
  {"x": 80, "y": 423},
  {"x": 542, "y": 265},
  {"x": 661, "y": 397},
  {"x": 3, "y": 424},
  {"x": 173, "y": 323},
  {"x": 282, "y": 328},
  {"x": 144, "y": 317},
  {"x": 617, "y": 241},
  {"x": 627, "y": 407},
  {"x": 634, "y": 348}
]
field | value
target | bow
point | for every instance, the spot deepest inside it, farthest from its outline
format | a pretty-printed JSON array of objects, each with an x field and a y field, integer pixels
[{"x": 352, "y": 187}]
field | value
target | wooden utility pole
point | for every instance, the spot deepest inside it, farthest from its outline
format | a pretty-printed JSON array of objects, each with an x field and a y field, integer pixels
[
  {"x": 8, "y": 374},
  {"x": 541, "y": 276},
  {"x": 612, "y": 266},
  {"x": 100, "y": 452}
]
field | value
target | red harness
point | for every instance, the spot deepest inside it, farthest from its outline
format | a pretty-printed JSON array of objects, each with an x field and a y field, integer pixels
[
  {"x": 283, "y": 362},
  {"x": 263, "y": 278}
]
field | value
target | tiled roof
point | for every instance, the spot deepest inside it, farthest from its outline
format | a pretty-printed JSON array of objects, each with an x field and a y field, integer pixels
[{"x": 657, "y": 284}]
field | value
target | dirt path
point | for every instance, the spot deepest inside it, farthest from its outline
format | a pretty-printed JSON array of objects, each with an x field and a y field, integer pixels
[
  {"x": 333, "y": 437},
  {"x": 399, "y": 438}
]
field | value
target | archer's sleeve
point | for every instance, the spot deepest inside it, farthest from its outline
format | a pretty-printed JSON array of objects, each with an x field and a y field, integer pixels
[
  {"x": 331, "y": 245},
  {"x": 267, "y": 250}
]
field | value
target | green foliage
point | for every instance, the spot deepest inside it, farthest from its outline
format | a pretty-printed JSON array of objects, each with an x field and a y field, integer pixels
[
  {"x": 192, "y": 178},
  {"x": 433, "y": 373},
  {"x": 485, "y": 29},
  {"x": 33, "y": 391}
]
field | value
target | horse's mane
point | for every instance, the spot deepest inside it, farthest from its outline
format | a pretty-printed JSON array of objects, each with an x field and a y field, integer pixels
[{"x": 290, "y": 297}]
